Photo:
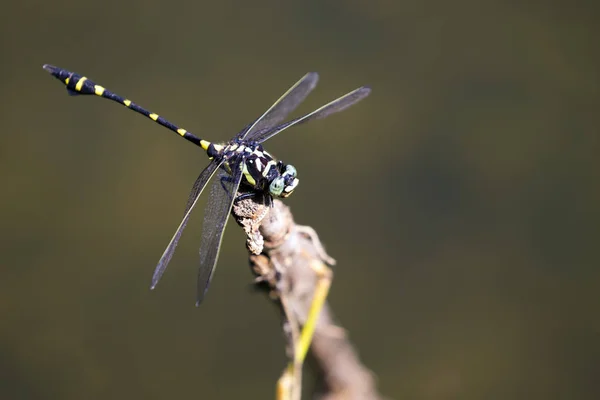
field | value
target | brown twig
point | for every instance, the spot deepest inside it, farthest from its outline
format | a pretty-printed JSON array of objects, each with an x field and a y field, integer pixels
[{"x": 289, "y": 262}]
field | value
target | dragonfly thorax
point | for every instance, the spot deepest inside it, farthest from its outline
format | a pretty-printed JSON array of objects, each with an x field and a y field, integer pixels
[{"x": 261, "y": 171}]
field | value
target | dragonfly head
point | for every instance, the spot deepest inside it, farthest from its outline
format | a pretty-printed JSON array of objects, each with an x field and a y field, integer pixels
[{"x": 285, "y": 183}]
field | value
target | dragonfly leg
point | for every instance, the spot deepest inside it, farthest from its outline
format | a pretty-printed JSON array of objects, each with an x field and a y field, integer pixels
[
  {"x": 245, "y": 196},
  {"x": 260, "y": 197},
  {"x": 223, "y": 180}
]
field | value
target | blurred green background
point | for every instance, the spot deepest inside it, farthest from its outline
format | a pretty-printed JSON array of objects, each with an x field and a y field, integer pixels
[{"x": 461, "y": 199}]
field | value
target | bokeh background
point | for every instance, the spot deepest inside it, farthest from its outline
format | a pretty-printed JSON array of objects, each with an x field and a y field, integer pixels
[{"x": 461, "y": 199}]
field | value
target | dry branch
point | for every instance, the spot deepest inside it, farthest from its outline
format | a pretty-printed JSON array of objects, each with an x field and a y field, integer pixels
[{"x": 289, "y": 262}]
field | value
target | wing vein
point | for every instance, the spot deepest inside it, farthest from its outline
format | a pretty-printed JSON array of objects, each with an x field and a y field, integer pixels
[
  {"x": 197, "y": 189},
  {"x": 337, "y": 105},
  {"x": 282, "y": 107},
  {"x": 222, "y": 195}
]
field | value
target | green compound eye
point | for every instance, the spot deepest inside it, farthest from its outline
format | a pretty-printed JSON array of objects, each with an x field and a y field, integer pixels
[
  {"x": 276, "y": 186},
  {"x": 290, "y": 170}
]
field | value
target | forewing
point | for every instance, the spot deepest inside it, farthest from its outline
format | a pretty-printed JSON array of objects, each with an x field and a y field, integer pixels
[
  {"x": 192, "y": 200},
  {"x": 336, "y": 105},
  {"x": 222, "y": 194},
  {"x": 282, "y": 107}
]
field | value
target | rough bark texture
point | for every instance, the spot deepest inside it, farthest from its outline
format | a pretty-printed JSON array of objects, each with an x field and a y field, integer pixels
[{"x": 289, "y": 262}]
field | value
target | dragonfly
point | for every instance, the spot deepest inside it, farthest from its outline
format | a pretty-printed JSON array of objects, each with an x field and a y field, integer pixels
[{"x": 241, "y": 163}]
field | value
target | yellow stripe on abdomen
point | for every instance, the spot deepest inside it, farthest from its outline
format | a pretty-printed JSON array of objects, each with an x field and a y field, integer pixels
[{"x": 80, "y": 83}]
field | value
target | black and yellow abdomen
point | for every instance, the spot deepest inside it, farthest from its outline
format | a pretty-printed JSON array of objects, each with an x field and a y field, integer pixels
[{"x": 80, "y": 85}]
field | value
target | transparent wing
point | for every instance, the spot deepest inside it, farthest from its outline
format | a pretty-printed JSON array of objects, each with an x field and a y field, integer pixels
[
  {"x": 282, "y": 107},
  {"x": 336, "y": 105},
  {"x": 222, "y": 194},
  {"x": 192, "y": 200}
]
